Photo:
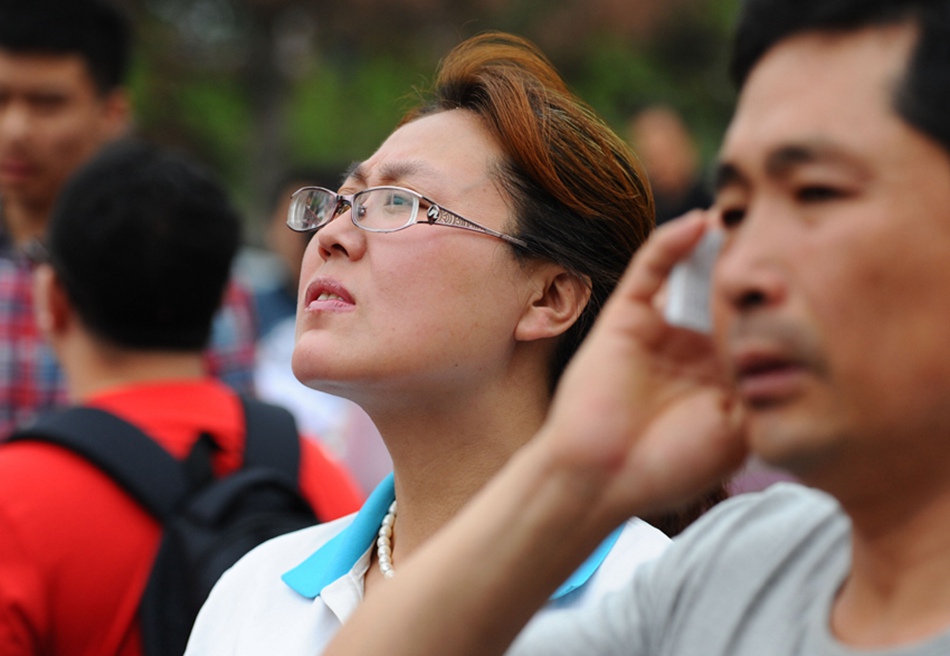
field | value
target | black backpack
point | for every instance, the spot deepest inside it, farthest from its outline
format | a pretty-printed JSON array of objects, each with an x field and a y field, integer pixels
[{"x": 208, "y": 523}]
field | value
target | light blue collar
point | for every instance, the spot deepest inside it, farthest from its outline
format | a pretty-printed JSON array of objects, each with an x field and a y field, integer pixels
[{"x": 338, "y": 556}]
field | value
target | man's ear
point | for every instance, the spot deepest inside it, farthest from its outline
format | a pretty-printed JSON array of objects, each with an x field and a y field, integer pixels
[
  {"x": 51, "y": 305},
  {"x": 555, "y": 307},
  {"x": 117, "y": 114}
]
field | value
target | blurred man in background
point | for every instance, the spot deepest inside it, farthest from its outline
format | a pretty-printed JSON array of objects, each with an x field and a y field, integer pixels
[
  {"x": 63, "y": 70},
  {"x": 663, "y": 142},
  {"x": 138, "y": 251}
]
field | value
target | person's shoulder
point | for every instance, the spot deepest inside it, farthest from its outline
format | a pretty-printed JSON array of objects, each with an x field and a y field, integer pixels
[
  {"x": 639, "y": 542},
  {"x": 25, "y": 492},
  {"x": 777, "y": 502},
  {"x": 252, "y": 593},
  {"x": 744, "y": 526},
  {"x": 759, "y": 527},
  {"x": 36, "y": 464},
  {"x": 636, "y": 544},
  {"x": 781, "y": 509}
]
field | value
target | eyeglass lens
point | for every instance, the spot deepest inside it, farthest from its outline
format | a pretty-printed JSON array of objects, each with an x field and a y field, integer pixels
[{"x": 383, "y": 208}]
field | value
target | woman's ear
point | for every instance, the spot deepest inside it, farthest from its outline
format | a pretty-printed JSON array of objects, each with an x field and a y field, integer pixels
[
  {"x": 51, "y": 305},
  {"x": 555, "y": 307}
]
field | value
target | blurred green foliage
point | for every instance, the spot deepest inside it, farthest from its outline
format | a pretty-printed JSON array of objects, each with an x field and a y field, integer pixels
[
  {"x": 228, "y": 101},
  {"x": 363, "y": 104}
]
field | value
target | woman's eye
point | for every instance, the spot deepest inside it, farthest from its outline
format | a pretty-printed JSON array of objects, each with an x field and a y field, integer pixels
[{"x": 398, "y": 200}]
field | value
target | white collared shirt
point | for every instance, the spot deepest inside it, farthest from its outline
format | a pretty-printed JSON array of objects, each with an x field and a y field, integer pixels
[{"x": 292, "y": 594}]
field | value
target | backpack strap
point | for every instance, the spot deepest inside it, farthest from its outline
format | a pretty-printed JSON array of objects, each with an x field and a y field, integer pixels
[
  {"x": 149, "y": 474},
  {"x": 272, "y": 438}
]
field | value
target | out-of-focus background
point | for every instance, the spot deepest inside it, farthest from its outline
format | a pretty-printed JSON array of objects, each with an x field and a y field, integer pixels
[{"x": 257, "y": 87}]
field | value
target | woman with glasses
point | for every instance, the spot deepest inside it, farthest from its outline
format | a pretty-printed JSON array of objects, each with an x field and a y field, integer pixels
[{"x": 447, "y": 283}]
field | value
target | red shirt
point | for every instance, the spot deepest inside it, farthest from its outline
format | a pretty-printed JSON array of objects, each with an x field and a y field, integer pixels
[{"x": 75, "y": 550}]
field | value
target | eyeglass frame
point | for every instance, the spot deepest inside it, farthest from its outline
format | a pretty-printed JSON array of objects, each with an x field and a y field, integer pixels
[{"x": 434, "y": 215}]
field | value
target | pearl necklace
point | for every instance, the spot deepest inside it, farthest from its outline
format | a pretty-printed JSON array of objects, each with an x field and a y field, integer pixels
[{"x": 384, "y": 545}]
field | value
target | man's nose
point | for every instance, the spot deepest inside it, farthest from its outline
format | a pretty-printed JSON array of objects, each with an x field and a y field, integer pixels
[
  {"x": 750, "y": 270},
  {"x": 15, "y": 120}
]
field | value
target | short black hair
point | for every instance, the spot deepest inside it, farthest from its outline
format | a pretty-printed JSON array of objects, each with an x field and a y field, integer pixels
[
  {"x": 923, "y": 95},
  {"x": 143, "y": 240},
  {"x": 99, "y": 31}
]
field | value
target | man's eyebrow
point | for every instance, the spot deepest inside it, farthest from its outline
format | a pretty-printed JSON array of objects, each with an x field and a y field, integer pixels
[
  {"x": 781, "y": 161},
  {"x": 726, "y": 175}
]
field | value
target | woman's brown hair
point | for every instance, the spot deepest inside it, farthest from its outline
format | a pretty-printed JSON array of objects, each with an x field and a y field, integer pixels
[{"x": 580, "y": 198}]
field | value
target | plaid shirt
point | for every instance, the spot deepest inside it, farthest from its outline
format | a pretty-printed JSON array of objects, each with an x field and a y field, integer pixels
[{"x": 30, "y": 378}]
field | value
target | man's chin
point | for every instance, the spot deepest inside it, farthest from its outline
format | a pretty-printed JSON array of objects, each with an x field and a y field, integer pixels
[
  {"x": 796, "y": 449},
  {"x": 23, "y": 191}
]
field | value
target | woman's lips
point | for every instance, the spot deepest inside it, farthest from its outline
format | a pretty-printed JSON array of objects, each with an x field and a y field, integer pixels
[
  {"x": 326, "y": 294},
  {"x": 329, "y": 302}
]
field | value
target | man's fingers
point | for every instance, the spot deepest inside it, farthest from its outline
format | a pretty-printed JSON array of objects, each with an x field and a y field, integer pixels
[{"x": 652, "y": 264}]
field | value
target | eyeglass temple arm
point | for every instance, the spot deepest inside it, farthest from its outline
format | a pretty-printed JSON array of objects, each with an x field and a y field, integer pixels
[{"x": 436, "y": 214}]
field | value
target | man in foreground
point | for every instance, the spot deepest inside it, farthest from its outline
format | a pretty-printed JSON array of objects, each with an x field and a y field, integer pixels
[{"x": 829, "y": 358}]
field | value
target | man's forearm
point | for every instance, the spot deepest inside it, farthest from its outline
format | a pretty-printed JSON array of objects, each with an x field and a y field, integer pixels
[{"x": 472, "y": 587}]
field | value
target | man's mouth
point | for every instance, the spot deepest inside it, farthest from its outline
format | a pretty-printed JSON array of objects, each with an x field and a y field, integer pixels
[
  {"x": 16, "y": 169},
  {"x": 767, "y": 379}
]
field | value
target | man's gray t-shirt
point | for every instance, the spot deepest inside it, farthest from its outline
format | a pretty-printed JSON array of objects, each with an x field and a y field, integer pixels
[{"x": 756, "y": 576}]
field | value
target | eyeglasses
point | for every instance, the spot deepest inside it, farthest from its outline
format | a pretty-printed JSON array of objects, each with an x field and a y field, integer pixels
[{"x": 377, "y": 209}]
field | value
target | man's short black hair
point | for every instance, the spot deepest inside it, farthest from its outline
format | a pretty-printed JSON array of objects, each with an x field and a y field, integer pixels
[
  {"x": 923, "y": 96},
  {"x": 97, "y": 30},
  {"x": 143, "y": 240}
]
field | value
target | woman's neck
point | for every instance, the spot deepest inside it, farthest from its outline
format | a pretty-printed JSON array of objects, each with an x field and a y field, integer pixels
[{"x": 442, "y": 457}]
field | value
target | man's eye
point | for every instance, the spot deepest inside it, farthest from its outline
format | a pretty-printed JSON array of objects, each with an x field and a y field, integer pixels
[
  {"x": 732, "y": 217},
  {"x": 46, "y": 104},
  {"x": 817, "y": 193}
]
